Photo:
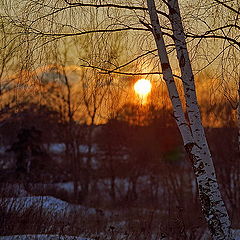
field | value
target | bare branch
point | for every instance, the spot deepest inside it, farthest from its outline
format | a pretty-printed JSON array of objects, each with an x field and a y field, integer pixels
[
  {"x": 236, "y": 42},
  {"x": 135, "y": 59},
  {"x": 106, "y": 71},
  {"x": 223, "y": 27},
  {"x": 231, "y": 101},
  {"x": 111, "y": 5},
  {"x": 146, "y": 25},
  {"x": 227, "y": 6},
  {"x": 34, "y": 31}
]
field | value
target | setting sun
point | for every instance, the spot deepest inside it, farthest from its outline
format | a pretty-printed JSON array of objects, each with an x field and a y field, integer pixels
[{"x": 142, "y": 87}]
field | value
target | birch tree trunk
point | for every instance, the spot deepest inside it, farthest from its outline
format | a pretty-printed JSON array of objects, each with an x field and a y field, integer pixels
[
  {"x": 168, "y": 77},
  {"x": 193, "y": 134}
]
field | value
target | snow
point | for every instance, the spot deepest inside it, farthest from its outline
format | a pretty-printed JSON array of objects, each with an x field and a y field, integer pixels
[
  {"x": 3, "y": 149},
  {"x": 59, "y": 208},
  {"x": 61, "y": 147},
  {"x": 59, "y": 237},
  {"x": 57, "y": 148},
  {"x": 84, "y": 148},
  {"x": 42, "y": 237},
  {"x": 45, "y": 203},
  {"x": 51, "y": 205},
  {"x": 236, "y": 234},
  {"x": 67, "y": 186}
]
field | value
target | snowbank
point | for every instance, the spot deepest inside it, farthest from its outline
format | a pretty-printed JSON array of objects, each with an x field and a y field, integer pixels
[
  {"x": 42, "y": 237},
  {"x": 236, "y": 234},
  {"x": 48, "y": 204}
]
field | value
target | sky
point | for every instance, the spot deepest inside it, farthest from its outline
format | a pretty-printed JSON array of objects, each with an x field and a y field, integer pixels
[{"x": 35, "y": 51}]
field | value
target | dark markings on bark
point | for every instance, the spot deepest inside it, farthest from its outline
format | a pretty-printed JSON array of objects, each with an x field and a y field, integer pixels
[
  {"x": 181, "y": 124},
  {"x": 188, "y": 147},
  {"x": 206, "y": 202},
  {"x": 185, "y": 83},
  {"x": 165, "y": 66},
  {"x": 189, "y": 89},
  {"x": 182, "y": 61},
  {"x": 172, "y": 10},
  {"x": 213, "y": 223},
  {"x": 207, "y": 184},
  {"x": 176, "y": 117},
  {"x": 211, "y": 180},
  {"x": 158, "y": 36},
  {"x": 200, "y": 170}
]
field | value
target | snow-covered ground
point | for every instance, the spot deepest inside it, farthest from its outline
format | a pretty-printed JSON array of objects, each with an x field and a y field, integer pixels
[
  {"x": 48, "y": 204},
  {"x": 41, "y": 237},
  {"x": 59, "y": 237},
  {"x": 59, "y": 209},
  {"x": 236, "y": 235}
]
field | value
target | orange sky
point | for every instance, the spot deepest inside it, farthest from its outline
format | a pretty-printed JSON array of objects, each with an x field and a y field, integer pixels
[{"x": 210, "y": 92}]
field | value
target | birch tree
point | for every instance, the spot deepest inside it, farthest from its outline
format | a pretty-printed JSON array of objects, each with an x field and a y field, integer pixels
[{"x": 192, "y": 133}]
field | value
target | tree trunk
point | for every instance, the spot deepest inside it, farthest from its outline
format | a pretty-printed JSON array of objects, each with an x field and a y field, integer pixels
[
  {"x": 113, "y": 175},
  {"x": 214, "y": 209},
  {"x": 193, "y": 134},
  {"x": 112, "y": 191}
]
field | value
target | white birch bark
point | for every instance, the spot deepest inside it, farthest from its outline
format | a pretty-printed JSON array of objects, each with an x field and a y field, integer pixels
[
  {"x": 196, "y": 144},
  {"x": 168, "y": 77},
  {"x": 212, "y": 203}
]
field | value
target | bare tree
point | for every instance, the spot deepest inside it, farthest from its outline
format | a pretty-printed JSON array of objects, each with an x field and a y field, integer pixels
[
  {"x": 221, "y": 32},
  {"x": 193, "y": 133}
]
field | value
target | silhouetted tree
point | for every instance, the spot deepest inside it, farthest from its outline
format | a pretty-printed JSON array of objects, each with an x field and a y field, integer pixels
[{"x": 26, "y": 149}]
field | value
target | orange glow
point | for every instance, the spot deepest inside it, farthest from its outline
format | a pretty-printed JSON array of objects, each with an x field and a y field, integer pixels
[{"x": 143, "y": 87}]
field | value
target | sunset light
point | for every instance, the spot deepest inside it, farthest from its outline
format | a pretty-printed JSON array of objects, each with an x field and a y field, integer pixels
[
  {"x": 142, "y": 87},
  {"x": 103, "y": 102}
]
